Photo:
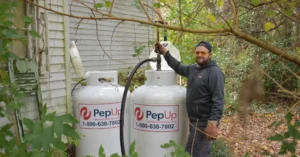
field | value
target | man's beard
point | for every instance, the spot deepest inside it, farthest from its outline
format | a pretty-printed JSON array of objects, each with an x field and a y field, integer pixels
[{"x": 202, "y": 61}]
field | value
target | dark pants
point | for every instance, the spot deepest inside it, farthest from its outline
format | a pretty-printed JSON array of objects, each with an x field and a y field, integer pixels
[{"x": 197, "y": 144}]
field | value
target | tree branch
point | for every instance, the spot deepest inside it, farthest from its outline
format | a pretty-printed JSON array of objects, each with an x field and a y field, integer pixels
[
  {"x": 98, "y": 39},
  {"x": 295, "y": 46},
  {"x": 235, "y": 32},
  {"x": 266, "y": 46},
  {"x": 93, "y": 9},
  {"x": 290, "y": 17},
  {"x": 235, "y": 14},
  {"x": 283, "y": 89},
  {"x": 180, "y": 14},
  {"x": 111, "y": 8},
  {"x": 158, "y": 13},
  {"x": 148, "y": 17},
  {"x": 175, "y": 28}
]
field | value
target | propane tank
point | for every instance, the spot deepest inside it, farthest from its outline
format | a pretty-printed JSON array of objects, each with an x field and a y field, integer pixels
[
  {"x": 97, "y": 106},
  {"x": 158, "y": 114}
]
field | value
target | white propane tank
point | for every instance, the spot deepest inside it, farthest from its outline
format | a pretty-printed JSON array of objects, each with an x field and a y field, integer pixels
[
  {"x": 158, "y": 114},
  {"x": 98, "y": 109}
]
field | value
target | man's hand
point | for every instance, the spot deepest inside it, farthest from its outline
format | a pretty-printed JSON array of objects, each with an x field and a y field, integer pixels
[
  {"x": 211, "y": 131},
  {"x": 160, "y": 49}
]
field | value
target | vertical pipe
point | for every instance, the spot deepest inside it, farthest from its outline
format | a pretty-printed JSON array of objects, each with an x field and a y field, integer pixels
[{"x": 67, "y": 57}]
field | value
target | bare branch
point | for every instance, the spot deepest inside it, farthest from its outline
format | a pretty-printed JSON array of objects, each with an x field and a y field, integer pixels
[
  {"x": 92, "y": 9},
  {"x": 180, "y": 14},
  {"x": 111, "y": 8},
  {"x": 148, "y": 17},
  {"x": 235, "y": 14},
  {"x": 237, "y": 33},
  {"x": 287, "y": 68},
  {"x": 97, "y": 35},
  {"x": 135, "y": 20},
  {"x": 266, "y": 46},
  {"x": 282, "y": 88},
  {"x": 158, "y": 13},
  {"x": 293, "y": 47},
  {"x": 192, "y": 18},
  {"x": 77, "y": 28},
  {"x": 290, "y": 17},
  {"x": 113, "y": 36},
  {"x": 277, "y": 26}
]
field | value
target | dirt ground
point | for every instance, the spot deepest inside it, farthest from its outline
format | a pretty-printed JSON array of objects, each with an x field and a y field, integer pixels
[{"x": 253, "y": 137}]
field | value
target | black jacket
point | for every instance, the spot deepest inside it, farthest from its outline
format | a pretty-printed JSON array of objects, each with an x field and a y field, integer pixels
[{"x": 205, "y": 89}]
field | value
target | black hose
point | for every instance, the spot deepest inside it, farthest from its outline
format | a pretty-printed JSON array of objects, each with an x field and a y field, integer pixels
[
  {"x": 76, "y": 85},
  {"x": 124, "y": 100}
]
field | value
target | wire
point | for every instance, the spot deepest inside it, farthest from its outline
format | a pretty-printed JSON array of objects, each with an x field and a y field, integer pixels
[
  {"x": 124, "y": 100},
  {"x": 76, "y": 85}
]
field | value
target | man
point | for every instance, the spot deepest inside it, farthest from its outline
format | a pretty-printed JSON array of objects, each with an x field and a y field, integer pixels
[{"x": 204, "y": 98}]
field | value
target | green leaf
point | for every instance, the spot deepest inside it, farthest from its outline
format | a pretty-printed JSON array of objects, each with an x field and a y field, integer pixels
[
  {"x": 5, "y": 127},
  {"x": 28, "y": 20},
  {"x": 8, "y": 23},
  {"x": 49, "y": 117},
  {"x": 30, "y": 137},
  {"x": 70, "y": 132},
  {"x": 172, "y": 143},
  {"x": 29, "y": 123},
  {"x": 68, "y": 118},
  {"x": 291, "y": 147},
  {"x": 47, "y": 137},
  {"x": 59, "y": 144},
  {"x": 265, "y": 153},
  {"x": 13, "y": 34},
  {"x": 58, "y": 127},
  {"x": 44, "y": 111},
  {"x": 289, "y": 117},
  {"x": 293, "y": 131},
  {"x": 132, "y": 148},
  {"x": 166, "y": 145},
  {"x": 272, "y": 124},
  {"x": 287, "y": 135},
  {"x": 297, "y": 124},
  {"x": 211, "y": 18},
  {"x": 2, "y": 139},
  {"x": 98, "y": 5},
  {"x": 114, "y": 155},
  {"x": 108, "y": 4},
  {"x": 255, "y": 2},
  {"x": 101, "y": 152},
  {"x": 134, "y": 154},
  {"x": 269, "y": 26},
  {"x": 220, "y": 3},
  {"x": 270, "y": 12},
  {"x": 10, "y": 145},
  {"x": 156, "y": 5},
  {"x": 37, "y": 143},
  {"x": 10, "y": 15},
  {"x": 278, "y": 124},
  {"x": 34, "y": 34},
  {"x": 37, "y": 129},
  {"x": 288, "y": 12},
  {"x": 277, "y": 137}
]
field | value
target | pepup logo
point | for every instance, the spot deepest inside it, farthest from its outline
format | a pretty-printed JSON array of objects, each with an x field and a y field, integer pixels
[
  {"x": 85, "y": 113},
  {"x": 139, "y": 114}
]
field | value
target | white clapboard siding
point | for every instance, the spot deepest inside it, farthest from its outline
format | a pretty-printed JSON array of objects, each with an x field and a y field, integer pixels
[
  {"x": 117, "y": 40},
  {"x": 53, "y": 85}
]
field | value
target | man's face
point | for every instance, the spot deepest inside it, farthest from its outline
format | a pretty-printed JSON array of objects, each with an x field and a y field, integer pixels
[{"x": 202, "y": 55}]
